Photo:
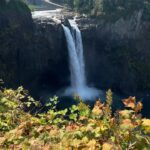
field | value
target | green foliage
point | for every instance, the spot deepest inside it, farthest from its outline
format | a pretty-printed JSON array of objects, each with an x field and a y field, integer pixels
[
  {"x": 111, "y": 9},
  {"x": 52, "y": 103},
  {"x": 79, "y": 127},
  {"x": 18, "y": 5},
  {"x": 12, "y": 104}
]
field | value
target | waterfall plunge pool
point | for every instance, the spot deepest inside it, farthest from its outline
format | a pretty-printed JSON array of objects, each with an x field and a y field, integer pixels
[{"x": 67, "y": 101}]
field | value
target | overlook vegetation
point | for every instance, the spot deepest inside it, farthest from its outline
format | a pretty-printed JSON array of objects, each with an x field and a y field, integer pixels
[{"x": 77, "y": 127}]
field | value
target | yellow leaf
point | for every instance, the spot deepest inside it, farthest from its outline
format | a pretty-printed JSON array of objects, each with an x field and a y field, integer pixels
[
  {"x": 126, "y": 121},
  {"x": 103, "y": 127},
  {"x": 41, "y": 129},
  {"x": 85, "y": 139},
  {"x": 107, "y": 146},
  {"x": 36, "y": 147},
  {"x": 97, "y": 111},
  {"x": 2, "y": 140},
  {"x": 46, "y": 147},
  {"x": 20, "y": 132},
  {"x": 54, "y": 132},
  {"x": 8, "y": 91},
  {"x": 126, "y": 113},
  {"x": 83, "y": 118},
  {"x": 92, "y": 144},
  {"x": 126, "y": 124},
  {"x": 146, "y": 122},
  {"x": 138, "y": 107},
  {"x": 89, "y": 127},
  {"x": 99, "y": 104},
  {"x": 129, "y": 102},
  {"x": 72, "y": 127}
]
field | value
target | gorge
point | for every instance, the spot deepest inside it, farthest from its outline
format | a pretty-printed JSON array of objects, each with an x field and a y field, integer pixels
[
  {"x": 116, "y": 52},
  {"x": 75, "y": 74}
]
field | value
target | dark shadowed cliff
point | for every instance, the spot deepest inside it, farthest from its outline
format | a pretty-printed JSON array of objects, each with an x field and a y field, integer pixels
[{"x": 31, "y": 54}]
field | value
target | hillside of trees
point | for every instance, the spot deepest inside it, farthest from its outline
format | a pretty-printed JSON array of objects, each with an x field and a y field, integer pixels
[{"x": 109, "y": 7}]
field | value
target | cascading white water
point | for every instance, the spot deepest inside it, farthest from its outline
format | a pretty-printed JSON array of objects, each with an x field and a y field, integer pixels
[
  {"x": 79, "y": 49},
  {"x": 77, "y": 66}
]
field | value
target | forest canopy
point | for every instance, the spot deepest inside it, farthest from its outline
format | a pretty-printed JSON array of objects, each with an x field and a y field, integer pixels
[{"x": 109, "y": 7}]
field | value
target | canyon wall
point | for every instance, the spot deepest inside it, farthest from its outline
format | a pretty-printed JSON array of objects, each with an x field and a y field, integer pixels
[
  {"x": 118, "y": 53},
  {"x": 33, "y": 53}
]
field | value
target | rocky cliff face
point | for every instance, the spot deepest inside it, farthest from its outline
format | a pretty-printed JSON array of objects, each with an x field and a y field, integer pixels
[
  {"x": 49, "y": 58},
  {"x": 16, "y": 28},
  {"x": 34, "y": 54},
  {"x": 118, "y": 53}
]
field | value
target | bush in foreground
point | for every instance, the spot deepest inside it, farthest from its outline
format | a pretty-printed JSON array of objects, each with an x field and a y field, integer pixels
[{"x": 78, "y": 127}]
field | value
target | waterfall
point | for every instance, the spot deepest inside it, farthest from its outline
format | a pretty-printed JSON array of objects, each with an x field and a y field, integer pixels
[{"x": 76, "y": 62}]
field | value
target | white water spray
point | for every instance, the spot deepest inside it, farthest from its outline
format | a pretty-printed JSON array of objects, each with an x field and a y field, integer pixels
[{"x": 77, "y": 66}]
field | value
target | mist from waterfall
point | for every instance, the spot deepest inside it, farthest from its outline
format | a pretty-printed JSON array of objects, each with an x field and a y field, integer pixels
[{"x": 76, "y": 63}]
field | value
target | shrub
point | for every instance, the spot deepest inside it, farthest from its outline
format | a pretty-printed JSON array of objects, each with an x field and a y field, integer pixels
[{"x": 78, "y": 127}]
